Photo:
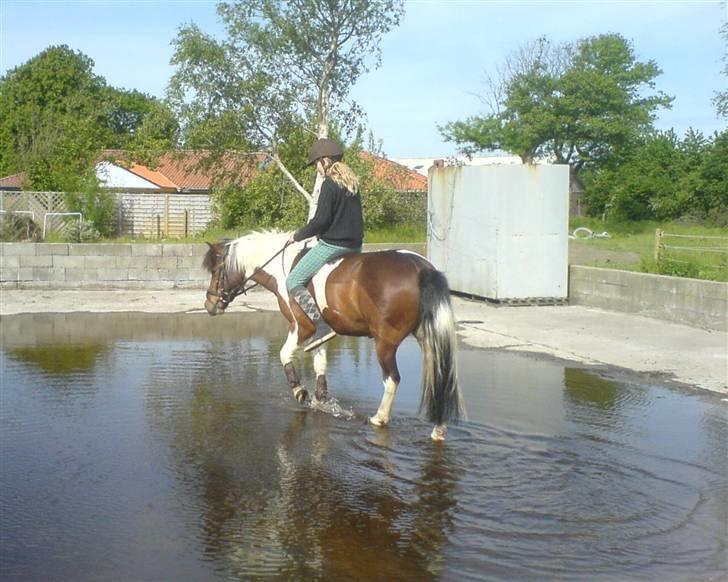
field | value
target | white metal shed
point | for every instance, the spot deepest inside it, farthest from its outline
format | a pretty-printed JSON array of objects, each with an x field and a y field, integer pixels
[{"x": 501, "y": 232}]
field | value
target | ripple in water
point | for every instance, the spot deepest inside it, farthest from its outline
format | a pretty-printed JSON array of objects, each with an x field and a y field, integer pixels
[{"x": 183, "y": 455}]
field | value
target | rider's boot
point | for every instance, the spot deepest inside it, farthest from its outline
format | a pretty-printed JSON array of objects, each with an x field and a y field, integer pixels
[{"x": 323, "y": 331}]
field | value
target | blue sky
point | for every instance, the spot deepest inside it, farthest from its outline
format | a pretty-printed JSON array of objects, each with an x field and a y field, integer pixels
[{"x": 433, "y": 64}]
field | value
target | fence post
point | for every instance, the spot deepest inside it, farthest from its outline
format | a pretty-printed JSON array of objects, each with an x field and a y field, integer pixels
[{"x": 658, "y": 244}]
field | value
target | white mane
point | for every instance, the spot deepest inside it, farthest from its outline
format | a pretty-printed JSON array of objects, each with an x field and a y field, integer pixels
[{"x": 252, "y": 250}]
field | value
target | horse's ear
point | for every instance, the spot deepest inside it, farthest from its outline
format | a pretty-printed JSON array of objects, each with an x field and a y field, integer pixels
[{"x": 209, "y": 244}]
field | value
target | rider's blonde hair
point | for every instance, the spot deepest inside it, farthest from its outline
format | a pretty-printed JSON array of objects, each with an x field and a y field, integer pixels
[{"x": 342, "y": 174}]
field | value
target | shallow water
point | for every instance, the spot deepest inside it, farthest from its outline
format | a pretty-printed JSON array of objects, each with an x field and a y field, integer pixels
[{"x": 144, "y": 447}]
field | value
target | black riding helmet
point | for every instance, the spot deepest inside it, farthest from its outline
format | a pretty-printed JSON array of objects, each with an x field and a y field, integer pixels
[{"x": 325, "y": 148}]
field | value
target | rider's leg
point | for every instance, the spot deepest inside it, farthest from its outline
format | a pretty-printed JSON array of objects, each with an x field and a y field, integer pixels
[{"x": 306, "y": 268}]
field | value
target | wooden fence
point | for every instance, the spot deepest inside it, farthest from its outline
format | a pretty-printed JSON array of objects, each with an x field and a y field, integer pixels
[
  {"x": 688, "y": 243},
  {"x": 163, "y": 215}
]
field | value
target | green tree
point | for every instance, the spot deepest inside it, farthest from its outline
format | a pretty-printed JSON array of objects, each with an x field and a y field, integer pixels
[
  {"x": 666, "y": 178},
  {"x": 51, "y": 117},
  {"x": 711, "y": 198},
  {"x": 56, "y": 115},
  {"x": 584, "y": 105},
  {"x": 282, "y": 64}
]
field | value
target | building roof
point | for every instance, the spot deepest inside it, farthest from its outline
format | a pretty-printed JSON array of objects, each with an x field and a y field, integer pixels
[
  {"x": 14, "y": 182},
  {"x": 397, "y": 176},
  {"x": 185, "y": 171}
]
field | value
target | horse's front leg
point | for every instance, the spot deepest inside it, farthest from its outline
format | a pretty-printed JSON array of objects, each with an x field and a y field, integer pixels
[
  {"x": 287, "y": 352},
  {"x": 319, "y": 366},
  {"x": 387, "y": 355}
]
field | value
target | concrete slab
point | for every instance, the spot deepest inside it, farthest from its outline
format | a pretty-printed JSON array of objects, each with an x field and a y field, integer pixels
[{"x": 685, "y": 355}]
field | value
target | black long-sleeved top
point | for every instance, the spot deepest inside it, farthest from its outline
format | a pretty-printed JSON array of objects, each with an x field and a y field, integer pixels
[{"x": 338, "y": 219}]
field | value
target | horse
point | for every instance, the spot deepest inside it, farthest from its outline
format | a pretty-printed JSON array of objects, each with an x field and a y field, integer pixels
[{"x": 386, "y": 295}]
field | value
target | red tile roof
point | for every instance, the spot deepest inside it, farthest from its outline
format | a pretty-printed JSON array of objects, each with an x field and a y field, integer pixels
[
  {"x": 397, "y": 176},
  {"x": 14, "y": 182},
  {"x": 185, "y": 171}
]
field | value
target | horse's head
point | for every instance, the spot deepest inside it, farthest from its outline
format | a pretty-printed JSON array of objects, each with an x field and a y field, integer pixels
[{"x": 223, "y": 283}]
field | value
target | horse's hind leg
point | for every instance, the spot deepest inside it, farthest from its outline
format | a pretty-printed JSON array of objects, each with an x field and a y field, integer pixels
[
  {"x": 287, "y": 352},
  {"x": 387, "y": 355},
  {"x": 319, "y": 366}
]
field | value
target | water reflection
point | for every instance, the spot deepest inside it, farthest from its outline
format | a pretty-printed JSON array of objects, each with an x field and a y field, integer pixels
[
  {"x": 189, "y": 445},
  {"x": 59, "y": 360},
  {"x": 583, "y": 387}
]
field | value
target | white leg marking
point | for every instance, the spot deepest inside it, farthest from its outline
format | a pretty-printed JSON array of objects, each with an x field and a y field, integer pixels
[
  {"x": 438, "y": 433},
  {"x": 384, "y": 414},
  {"x": 290, "y": 347},
  {"x": 320, "y": 361}
]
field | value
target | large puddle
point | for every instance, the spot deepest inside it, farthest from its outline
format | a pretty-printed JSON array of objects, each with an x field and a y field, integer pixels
[{"x": 147, "y": 447}]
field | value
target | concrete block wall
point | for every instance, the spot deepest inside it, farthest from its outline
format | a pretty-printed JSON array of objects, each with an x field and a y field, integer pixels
[
  {"x": 111, "y": 265},
  {"x": 91, "y": 265},
  {"x": 690, "y": 302}
]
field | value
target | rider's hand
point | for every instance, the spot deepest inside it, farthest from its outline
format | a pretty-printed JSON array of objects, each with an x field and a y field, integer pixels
[{"x": 291, "y": 240}]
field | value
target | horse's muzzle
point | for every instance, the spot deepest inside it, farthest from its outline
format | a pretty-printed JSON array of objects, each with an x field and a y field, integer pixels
[{"x": 214, "y": 307}]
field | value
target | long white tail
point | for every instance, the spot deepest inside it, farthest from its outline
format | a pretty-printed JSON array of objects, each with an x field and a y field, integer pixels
[{"x": 441, "y": 396}]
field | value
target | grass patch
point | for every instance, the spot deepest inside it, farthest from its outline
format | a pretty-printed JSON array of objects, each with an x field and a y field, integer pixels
[
  {"x": 403, "y": 233},
  {"x": 639, "y": 238}
]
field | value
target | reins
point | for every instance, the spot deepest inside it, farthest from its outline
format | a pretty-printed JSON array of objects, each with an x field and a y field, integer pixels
[{"x": 226, "y": 297}]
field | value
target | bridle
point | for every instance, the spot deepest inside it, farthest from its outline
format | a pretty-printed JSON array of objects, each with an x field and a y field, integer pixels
[{"x": 226, "y": 296}]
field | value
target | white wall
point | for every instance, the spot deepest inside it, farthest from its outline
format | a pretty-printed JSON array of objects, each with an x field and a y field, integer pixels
[{"x": 500, "y": 232}]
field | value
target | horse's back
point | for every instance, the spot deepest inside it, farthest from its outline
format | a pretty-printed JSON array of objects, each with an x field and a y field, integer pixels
[{"x": 372, "y": 290}]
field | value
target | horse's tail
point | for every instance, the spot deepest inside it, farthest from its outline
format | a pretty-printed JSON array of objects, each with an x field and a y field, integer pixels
[{"x": 441, "y": 396}]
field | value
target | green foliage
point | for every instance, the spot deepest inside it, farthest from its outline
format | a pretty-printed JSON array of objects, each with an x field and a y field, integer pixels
[
  {"x": 665, "y": 178},
  {"x": 82, "y": 231},
  {"x": 283, "y": 65},
  {"x": 281, "y": 61},
  {"x": 268, "y": 201},
  {"x": 18, "y": 228},
  {"x": 56, "y": 115},
  {"x": 631, "y": 246},
  {"x": 583, "y": 104},
  {"x": 96, "y": 206}
]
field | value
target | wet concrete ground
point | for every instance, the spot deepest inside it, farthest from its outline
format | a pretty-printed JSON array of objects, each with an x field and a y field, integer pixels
[{"x": 674, "y": 353}]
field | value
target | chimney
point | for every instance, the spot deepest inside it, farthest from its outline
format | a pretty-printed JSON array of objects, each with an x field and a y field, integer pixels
[{"x": 438, "y": 163}]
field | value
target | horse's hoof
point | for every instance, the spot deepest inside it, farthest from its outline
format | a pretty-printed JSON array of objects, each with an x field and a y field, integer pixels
[
  {"x": 322, "y": 397},
  {"x": 438, "y": 433},
  {"x": 300, "y": 394},
  {"x": 376, "y": 421}
]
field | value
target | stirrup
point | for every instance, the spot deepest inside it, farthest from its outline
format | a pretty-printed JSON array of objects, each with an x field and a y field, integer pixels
[{"x": 314, "y": 342}]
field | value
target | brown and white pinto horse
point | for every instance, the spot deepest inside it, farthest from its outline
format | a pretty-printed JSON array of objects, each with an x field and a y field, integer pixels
[{"x": 385, "y": 295}]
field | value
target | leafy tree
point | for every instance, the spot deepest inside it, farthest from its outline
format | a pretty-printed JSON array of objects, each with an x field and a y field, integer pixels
[
  {"x": 283, "y": 64},
  {"x": 56, "y": 115},
  {"x": 51, "y": 116},
  {"x": 711, "y": 198},
  {"x": 666, "y": 178},
  {"x": 584, "y": 105},
  {"x": 271, "y": 201}
]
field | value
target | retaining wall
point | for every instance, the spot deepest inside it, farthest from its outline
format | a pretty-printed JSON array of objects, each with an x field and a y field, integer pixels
[
  {"x": 156, "y": 266},
  {"x": 90, "y": 265},
  {"x": 688, "y": 301},
  {"x": 112, "y": 265}
]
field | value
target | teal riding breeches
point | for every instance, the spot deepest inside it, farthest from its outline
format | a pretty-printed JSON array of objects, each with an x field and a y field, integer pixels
[{"x": 312, "y": 261}]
